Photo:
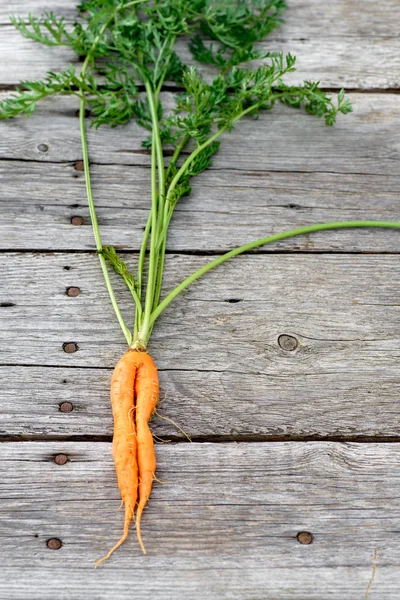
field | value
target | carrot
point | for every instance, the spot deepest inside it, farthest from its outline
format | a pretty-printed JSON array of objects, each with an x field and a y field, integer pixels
[
  {"x": 147, "y": 393},
  {"x": 134, "y": 387}
]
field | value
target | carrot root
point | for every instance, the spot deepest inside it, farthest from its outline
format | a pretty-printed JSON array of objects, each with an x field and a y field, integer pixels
[
  {"x": 138, "y": 531},
  {"x": 134, "y": 396},
  {"x": 128, "y": 519}
]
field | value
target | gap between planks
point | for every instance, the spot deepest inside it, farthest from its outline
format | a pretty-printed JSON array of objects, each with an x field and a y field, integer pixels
[
  {"x": 14, "y": 87},
  {"x": 218, "y": 439}
]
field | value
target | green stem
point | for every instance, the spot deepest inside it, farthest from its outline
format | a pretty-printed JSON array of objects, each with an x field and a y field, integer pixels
[
  {"x": 153, "y": 105},
  {"x": 177, "y": 153},
  {"x": 142, "y": 256},
  {"x": 190, "y": 159},
  {"x": 158, "y": 198},
  {"x": 171, "y": 42},
  {"x": 143, "y": 334},
  {"x": 93, "y": 216},
  {"x": 209, "y": 141},
  {"x": 161, "y": 259},
  {"x": 262, "y": 242},
  {"x": 135, "y": 297}
]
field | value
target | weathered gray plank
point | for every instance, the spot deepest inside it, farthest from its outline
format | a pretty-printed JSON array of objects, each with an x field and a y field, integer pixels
[
  {"x": 302, "y": 18},
  {"x": 351, "y": 44},
  {"x": 204, "y": 578},
  {"x": 206, "y": 404},
  {"x": 366, "y": 142},
  {"x": 223, "y": 527},
  {"x": 343, "y": 379},
  {"x": 66, "y": 9},
  {"x": 344, "y": 309},
  {"x": 227, "y": 208}
]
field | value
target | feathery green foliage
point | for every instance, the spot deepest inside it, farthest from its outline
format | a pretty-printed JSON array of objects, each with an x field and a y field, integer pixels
[{"x": 129, "y": 50}]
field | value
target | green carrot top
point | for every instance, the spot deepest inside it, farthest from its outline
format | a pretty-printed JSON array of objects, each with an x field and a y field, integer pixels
[{"x": 129, "y": 50}]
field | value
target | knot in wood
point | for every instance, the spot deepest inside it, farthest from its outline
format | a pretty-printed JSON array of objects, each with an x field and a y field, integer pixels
[{"x": 287, "y": 342}]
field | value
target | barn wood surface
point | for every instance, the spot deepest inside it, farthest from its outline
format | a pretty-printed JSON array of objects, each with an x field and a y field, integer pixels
[{"x": 282, "y": 365}]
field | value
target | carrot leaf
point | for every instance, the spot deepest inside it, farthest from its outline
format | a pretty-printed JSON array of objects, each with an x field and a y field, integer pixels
[{"x": 129, "y": 51}]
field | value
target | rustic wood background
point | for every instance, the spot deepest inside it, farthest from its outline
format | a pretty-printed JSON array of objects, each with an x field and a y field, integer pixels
[{"x": 283, "y": 366}]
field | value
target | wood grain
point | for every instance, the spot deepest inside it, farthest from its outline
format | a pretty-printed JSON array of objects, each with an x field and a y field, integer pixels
[
  {"x": 227, "y": 208},
  {"x": 224, "y": 527},
  {"x": 365, "y": 142},
  {"x": 228, "y": 515},
  {"x": 217, "y": 347},
  {"x": 347, "y": 44},
  {"x": 343, "y": 309},
  {"x": 206, "y": 404},
  {"x": 333, "y": 176}
]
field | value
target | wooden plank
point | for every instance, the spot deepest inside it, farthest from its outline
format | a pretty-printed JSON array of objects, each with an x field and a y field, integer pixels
[
  {"x": 342, "y": 380},
  {"x": 227, "y": 208},
  {"x": 207, "y": 405},
  {"x": 224, "y": 526},
  {"x": 66, "y": 9},
  {"x": 301, "y": 17},
  {"x": 342, "y": 309},
  {"x": 366, "y": 142},
  {"x": 348, "y": 43}
]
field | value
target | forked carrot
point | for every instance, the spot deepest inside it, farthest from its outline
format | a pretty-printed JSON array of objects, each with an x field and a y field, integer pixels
[{"x": 134, "y": 396}]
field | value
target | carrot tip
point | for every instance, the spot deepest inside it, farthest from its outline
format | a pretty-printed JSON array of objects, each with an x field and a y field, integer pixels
[
  {"x": 107, "y": 556},
  {"x": 138, "y": 532},
  {"x": 128, "y": 517}
]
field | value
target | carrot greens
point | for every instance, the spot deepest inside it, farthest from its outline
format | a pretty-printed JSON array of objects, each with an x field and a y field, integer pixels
[{"x": 129, "y": 50}]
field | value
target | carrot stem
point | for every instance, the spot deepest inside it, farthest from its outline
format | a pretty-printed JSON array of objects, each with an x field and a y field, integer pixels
[
  {"x": 95, "y": 225},
  {"x": 262, "y": 242},
  {"x": 92, "y": 210}
]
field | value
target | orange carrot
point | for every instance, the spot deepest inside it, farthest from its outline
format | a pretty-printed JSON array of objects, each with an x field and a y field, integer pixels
[
  {"x": 134, "y": 386},
  {"x": 147, "y": 393}
]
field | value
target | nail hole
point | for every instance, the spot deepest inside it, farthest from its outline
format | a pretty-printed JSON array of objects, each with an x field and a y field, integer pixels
[
  {"x": 305, "y": 537},
  {"x": 6, "y": 304},
  {"x": 54, "y": 543},
  {"x": 36, "y": 535},
  {"x": 67, "y": 268},
  {"x": 74, "y": 205},
  {"x": 66, "y": 407},
  {"x": 43, "y": 147},
  {"x": 61, "y": 459},
  {"x": 296, "y": 206},
  {"x": 79, "y": 166},
  {"x": 64, "y": 381},
  {"x": 70, "y": 347},
  {"x": 287, "y": 342},
  {"x": 76, "y": 220},
  {"x": 73, "y": 292},
  {"x": 233, "y": 300}
]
